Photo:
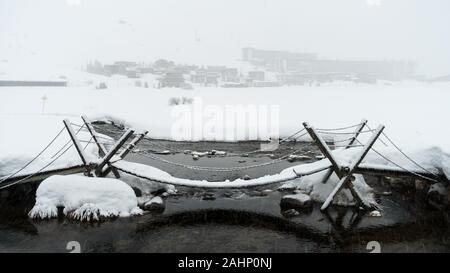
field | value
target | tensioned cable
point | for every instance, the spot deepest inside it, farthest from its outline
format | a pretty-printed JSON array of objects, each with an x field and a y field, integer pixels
[
  {"x": 401, "y": 167},
  {"x": 67, "y": 143},
  {"x": 203, "y": 168},
  {"x": 341, "y": 128},
  {"x": 33, "y": 159},
  {"x": 384, "y": 143},
  {"x": 405, "y": 155},
  {"x": 344, "y": 133},
  {"x": 40, "y": 170}
]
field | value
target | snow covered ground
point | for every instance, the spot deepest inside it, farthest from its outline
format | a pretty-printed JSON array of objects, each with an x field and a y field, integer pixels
[{"x": 414, "y": 114}]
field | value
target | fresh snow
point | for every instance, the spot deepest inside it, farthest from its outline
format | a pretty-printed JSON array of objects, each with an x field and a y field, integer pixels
[
  {"x": 84, "y": 198},
  {"x": 412, "y": 112},
  {"x": 422, "y": 107},
  {"x": 417, "y": 129}
]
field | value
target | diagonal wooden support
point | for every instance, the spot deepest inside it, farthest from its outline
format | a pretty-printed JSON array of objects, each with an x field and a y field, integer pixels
[
  {"x": 101, "y": 148},
  {"x": 347, "y": 178},
  {"x": 357, "y": 132},
  {"x": 128, "y": 149},
  {"x": 349, "y": 144},
  {"x": 78, "y": 147},
  {"x": 112, "y": 152},
  {"x": 327, "y": 153},
  {"x": 323, "y": 147}
]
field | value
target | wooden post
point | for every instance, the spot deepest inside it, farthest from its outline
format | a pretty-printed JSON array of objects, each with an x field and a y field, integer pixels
[
  {"x": 112, "y": 152},
  {"x": 357, "y": 132},
  {"x": 323, "y": 147},
  {"x": 346, "y": 179},
  {"x": 101, "y": 148},
  {"x": 130, "y": 147},
  {"x": 132, "y": 144},
  {"x": 77, "y": 145},
  {"x": 327, "y": 153},
  {"x": 350, "y": 143}
]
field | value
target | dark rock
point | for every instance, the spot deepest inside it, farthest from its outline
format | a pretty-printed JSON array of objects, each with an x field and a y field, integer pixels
[
  {"x": 438, "y": 196},
  {"x": 296, "y": 201},
  {"x": 257, "y": 193},
  {"x": 155, "y": 204},
  {"x": 209, "y": 196},
  {"x": 137, "y": 191},
  {"x": 287, "y": 187},
  {"x": 246, "y": 177},
  {"x": 421, "y": 186},
  {"x": 227, "y": 194},
  {"x": 290, "y": 213}
]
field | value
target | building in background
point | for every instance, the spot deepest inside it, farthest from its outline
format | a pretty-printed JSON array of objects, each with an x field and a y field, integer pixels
[{"x": 299, "y": 68}]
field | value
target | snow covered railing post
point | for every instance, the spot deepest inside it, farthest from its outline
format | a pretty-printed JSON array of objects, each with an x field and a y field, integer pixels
[
  {"x": 105, "y": 160},
  {"x": 78, "y": 147},
  {"x": 346, "y": 180},
  {"x": 323, "y": 147},
  {"x": 349, "y": 144},
  {"x": 101, "y": 147},
  {"x": 357, "y": 132},
  {"x": 345, "y": 176},
  {"x": 128, "y": 149}
]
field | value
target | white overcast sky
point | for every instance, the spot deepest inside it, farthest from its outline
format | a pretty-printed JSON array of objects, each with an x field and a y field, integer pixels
[{"x": 72, "y": 32}]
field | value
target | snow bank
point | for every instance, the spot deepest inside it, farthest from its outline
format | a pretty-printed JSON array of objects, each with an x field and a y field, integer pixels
[
  {"x": 432, "y": 159},
  {"x": 84, "y": 198},
  {"x": 422, "y": 107}
]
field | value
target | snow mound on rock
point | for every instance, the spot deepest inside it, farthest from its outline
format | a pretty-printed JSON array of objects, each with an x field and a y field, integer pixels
[{"x": 84, "y": 198}]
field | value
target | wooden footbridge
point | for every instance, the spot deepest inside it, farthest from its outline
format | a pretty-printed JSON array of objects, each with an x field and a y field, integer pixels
[{"x": 112, "y": 161}]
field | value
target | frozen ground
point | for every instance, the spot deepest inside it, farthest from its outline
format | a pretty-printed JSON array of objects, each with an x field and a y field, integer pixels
[{"x": 414, "y": 114}]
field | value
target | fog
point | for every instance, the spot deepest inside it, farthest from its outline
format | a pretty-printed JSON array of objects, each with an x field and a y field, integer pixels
[{"x": 73, "y": 32}]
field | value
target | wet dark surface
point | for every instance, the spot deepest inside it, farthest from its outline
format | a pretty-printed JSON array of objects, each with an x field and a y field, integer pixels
[{"x": 231, "y": 220}]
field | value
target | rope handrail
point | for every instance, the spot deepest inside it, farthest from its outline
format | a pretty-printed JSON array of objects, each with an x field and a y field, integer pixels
[
  {"x": 406, "y": 156},
  {"x": 344, "y": 133},
  {"x": 39, "y": 154},
  {"x": 222, "y": 184},
  {"x": 67, "y": 143},
  {"x": 40, "y": 170},
  {"x": 34, "y": 158},
  {"x": 381, "y": 140},
  {"x": 340, "y": 128},
  {"x": 216, "y": 169},
  {"x": 401, "y": 167}
]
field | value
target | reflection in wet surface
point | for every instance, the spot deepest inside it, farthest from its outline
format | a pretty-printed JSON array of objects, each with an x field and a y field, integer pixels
[{"x": 248, "y": 220}]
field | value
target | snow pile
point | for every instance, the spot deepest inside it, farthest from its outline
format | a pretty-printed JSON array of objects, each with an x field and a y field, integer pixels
[
  {"x": 84, "y": 198},
  {"x": 145, "y": 186},
  {"x": 318, "y": 191}
]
